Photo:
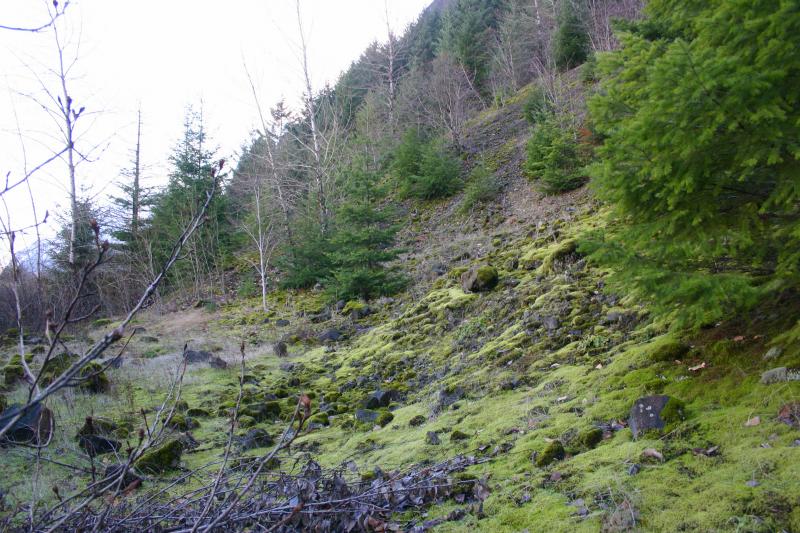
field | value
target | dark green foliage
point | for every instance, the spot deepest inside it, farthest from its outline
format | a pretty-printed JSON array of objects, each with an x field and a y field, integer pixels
[
  {"x": 482, "y": 187},
  {"x": 537, "y": 106},
  {"x": 173, "y": 209},
  {"x": 555, "y": 158},
  {"x": 466, "y": 36},
  {"x": 571, "y": 39},
  {"x": 427, "y": 170},
  {"x": 307, "y": 262},
  {"x": 700, "y": 157},
  {"x": 361, "y": 244}
]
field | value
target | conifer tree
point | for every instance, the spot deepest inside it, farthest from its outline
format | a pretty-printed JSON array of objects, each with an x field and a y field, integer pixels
[
  {"x": 701, "y": 118},
  {"x": 362, "y": 243},
  {"x": 571, "y": 39}
]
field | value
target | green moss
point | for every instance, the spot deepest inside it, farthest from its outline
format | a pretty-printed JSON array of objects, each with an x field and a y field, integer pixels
[
  {"x": 591, "y": 438},
  {"x": 669, "y": 350},
  {"x": 674, "y": 411},
  {"x": 320, "y": 418},
  {"x": 162, "y": 458},
  {"x": 246, "y": 421},
  {"x": 197, "y": 412},
  {"x": 384, "y": 417},
  {"x": 417, "y": 421},
  {"x": 13, "y": 373},
  {"x": 94, "y": 378},
  {"x": 458, "y": 435},
  {"x": 552, "y": 453},
  {"x": 100, "y": 322},
  {"x": 353, "y": 306},
  {"x": 182, "y": 423}
]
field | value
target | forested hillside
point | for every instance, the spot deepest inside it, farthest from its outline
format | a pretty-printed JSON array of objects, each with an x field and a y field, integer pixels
[{"x": 531, "y": 265}]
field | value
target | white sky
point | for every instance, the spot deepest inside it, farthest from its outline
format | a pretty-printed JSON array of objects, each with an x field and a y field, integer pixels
[{"x": 163, "y": 55}]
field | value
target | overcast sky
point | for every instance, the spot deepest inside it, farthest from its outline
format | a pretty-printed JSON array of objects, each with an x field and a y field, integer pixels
[{"x": 163, "y": 55}]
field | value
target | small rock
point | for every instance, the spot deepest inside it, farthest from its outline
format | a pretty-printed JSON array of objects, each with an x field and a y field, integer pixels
[
  {"x": 789, "y": 414},
  {"x": 282, "y": 322},
  {"x": 256, "y": 438},
  {"x": 432, "y": 438},
  {"x": 649, "y": 454},
  {"x": 776, "y": 375},
  {"x": 280, "y": 349},
  {"x": 634, "y": 469},
  {"x": 217, "y": 362},
  {"x": 646, "y": 414},
  {"x": 324, "y": 316},
  {"x": 114, "y": 471},
  {"x": 330, "y": 335},
  {"x": 551, "y": 323},
  {"x": 197, "y": 356},
  {"x": 367, "y": 416},
  {"x": 479, "y": 279},
  {"x": 380, "y": 398},
  {"x": 773, "y": 353},
  {"x": 34, "y": 427},
  {"x": 756, "y": 420},
  {"x": 417, "y": 421}
]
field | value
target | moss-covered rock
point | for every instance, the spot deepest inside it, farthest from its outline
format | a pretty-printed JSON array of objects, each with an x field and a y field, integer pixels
[
  {"x": 457, "y": 435},
  {"x": 320, "y": 418},
  {"x": 417, "y": 421},
  {"x": 674, "y": 411},
  {"x": 590, "y": 438},
  {"x": 198, "y": 412},
  {"x": 552, "y": 453},
  {"x": 480, "y": 279},
  {"x": 182, "y": 423},
  {"x": 384, "y": 417},
  {"x": 13, "y": 373},
  {"x": 162, "y": 458},
  {"x": 94, "y": 378},
  {"x": 246, "y": 421},
  {"x": 669, "y": 351},
  {"x": 263, "y": 411}
]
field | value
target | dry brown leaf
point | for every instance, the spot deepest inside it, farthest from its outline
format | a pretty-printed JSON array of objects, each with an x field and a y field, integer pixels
[{"x": 652, "y": 452}]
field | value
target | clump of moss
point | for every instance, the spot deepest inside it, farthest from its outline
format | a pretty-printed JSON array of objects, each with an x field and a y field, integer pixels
[
  {"x": 384, "y": 417},
  {"x": 590, "y": 438},
  {"x": 554, "y": 452},
  {"x": 246, "y": 421},
  {"x": 561, "y": 251},
  {"x": 417, "y": 421},
  {"x": 162, "y": 458},
  {"x": 320, "y": 418},
  {"x": 3, "y": 403},
  {"x": 57, "y": 364},
  {"x": 457, "y": 435},
  {"x": 13, "y": 371},
  {"x": 674, "y": 411},
  {"x": 100, "y": 322},
  {"x": 196, "y": 412},
  {"x": 94, "y": 378},
  {"x": 182, "y": 423},
  {"x": 669, "y": 351}
]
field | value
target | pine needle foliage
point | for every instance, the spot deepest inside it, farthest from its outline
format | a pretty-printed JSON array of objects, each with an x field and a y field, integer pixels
[{"x": 701, "y": 155}]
